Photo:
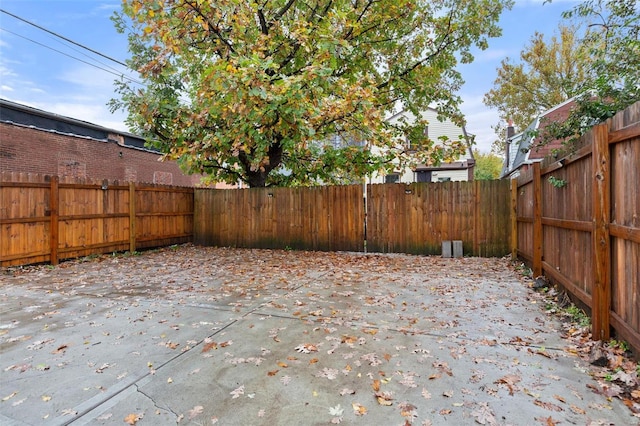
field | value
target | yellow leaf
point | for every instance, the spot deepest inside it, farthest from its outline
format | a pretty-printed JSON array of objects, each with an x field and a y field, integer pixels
[
  {"x": 132, "y": 419},
  {"x": 46, "y": 398}
]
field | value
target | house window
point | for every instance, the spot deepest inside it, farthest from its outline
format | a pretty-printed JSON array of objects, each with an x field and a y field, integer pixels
[
  {"x": 444, "y": 179},
  {"x": 392, "y": 178},
  {"x": 423, "y": 176}
]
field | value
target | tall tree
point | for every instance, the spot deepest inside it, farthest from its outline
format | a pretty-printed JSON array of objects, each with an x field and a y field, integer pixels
[
  {"x": 253, "y": 90},
  {"x": 548, "y": 73}
]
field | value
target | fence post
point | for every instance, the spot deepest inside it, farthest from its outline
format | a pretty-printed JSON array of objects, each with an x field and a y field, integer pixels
[
  {"x": 514, "y": 219},
  {"x": 476, "y": 218},
  {"x": 537, "y": 220},
  {"x": 601, "y": 293},
  {"x": 54, "y": 199},
  {"x": 132, "y": 217}
]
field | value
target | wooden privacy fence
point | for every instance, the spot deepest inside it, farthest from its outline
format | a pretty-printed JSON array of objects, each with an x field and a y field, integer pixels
[
  {"x": 416, "y": 218},
  {"x": 578, "y": 222},
  {"x": 412, "y": 218},
  {"x": 325, "y": 218},
  {"x": 46, "y": 219}
]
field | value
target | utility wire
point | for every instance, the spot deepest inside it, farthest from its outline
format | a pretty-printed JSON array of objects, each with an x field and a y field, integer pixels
[
  {"x": 64, "y": 38},
  {"x": 77, "y": 59}
]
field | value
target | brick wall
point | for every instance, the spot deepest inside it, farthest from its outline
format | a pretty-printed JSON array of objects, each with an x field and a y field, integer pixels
[{"x": 29, "y": 150}]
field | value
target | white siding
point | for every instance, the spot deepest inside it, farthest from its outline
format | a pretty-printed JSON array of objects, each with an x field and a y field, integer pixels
[{"x": 453, "y": 175}]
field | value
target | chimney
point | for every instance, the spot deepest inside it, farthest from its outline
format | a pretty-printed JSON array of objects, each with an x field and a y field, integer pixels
[{"x": 510, "y": 132}]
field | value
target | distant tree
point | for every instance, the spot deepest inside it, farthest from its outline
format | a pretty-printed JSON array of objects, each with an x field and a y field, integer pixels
[
  {"x": 253, "y": 90},
  {"x": 488, "y": 166},
  {"x": 548, "y": 73}
]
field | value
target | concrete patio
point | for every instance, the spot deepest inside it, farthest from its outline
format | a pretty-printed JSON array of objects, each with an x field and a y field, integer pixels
[{"x": 200, "y": 336}]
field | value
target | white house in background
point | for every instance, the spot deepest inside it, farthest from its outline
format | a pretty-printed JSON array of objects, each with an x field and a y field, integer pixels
[{"x": 460, "y": 170}]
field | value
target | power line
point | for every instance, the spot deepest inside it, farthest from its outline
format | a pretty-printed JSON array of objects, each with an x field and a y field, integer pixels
[
  {"x": 64, "y": 38},
  {"x": 73, "y": 57}
]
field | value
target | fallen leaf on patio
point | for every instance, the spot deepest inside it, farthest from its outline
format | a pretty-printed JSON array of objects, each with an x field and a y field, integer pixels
[
  {"x": 329, "y": 373},
  {"x": 444, "y": 412},
  {"x": 69, "y": 412},
  {"x": 559, "y": 398},
  {"x": 46, "y": 398},
  {"x": 18, "y": 402},
  {"x": 635, "y": 408},
  {"x": 407, "y": 410},
  {"x": 448, "y": 394},
  {"x": 285, "y": 380},
  {"x": 208, "y": 346},
  {"x": 195, "y": 411},
  {"x": 384, "y": 398},
  {"x": 358, "y": 410},
  {"x": 349, "y": 339},
  {"x": 60, "y": 349},
  {"x": 426, "y": 394},
  {"x": 577, "y": 409},
  {"x": 237, "y": 392},
  {"x": 636, "y": 394},
  {"x": 272, "y": 373},
  {"x": 347, "y": 391},
  {"x": 510, "y": 381},
  {"x": 225, "y": 344},
  {"x": 132, "y": 418},
  {"x": 9, "y": 396},
  {"x": 547, "y": 405},
  {"x": 336, "y": 411},
  {"x": 102, "y": 367},
  {"x": 306, "y": 348},
  {"x": 105, "y": 416},
  {"x": 548, "y": 421},
  {"x": 282, "y": 364},
  {"x": 484, "y": 415},
  {"x": 376, "y": 385},
  {"x": 313, "y": 360}
]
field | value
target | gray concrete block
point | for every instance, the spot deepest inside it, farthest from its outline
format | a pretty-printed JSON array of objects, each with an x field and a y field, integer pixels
[
  {"x": 446, "y": 248},
  {"x": 457, "y": 248}
]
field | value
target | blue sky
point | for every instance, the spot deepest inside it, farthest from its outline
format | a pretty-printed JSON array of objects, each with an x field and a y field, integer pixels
[{"x": 35, "y": 75}]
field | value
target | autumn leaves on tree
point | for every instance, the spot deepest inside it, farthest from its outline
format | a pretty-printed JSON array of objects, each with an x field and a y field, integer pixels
[{"x": 255, "y": 91}]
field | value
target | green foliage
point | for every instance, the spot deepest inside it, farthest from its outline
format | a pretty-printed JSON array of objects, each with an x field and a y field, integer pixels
[
  {"x": 271, "y": 93},
  {"x": 613, "y": 43},
  {"x": 577, "y": 315},
  {"x": 556, "y": 182},
  {"x": 597, "y": 62},
  {"x": 619, "y": 344},
  {"x": 488, "y": 166}
]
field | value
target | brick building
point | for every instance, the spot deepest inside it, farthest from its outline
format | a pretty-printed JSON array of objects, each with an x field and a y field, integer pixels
[{"x": 36, "y": 141}]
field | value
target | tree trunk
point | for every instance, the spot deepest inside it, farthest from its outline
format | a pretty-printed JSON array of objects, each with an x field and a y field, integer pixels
[{"x": 258, "y": 178}]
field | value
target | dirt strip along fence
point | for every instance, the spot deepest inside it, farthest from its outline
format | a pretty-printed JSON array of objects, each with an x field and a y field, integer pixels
[
  {"x": 47, "y": 218},
  {"x": 578, "y": 223},
  {"x": 413, "y": 218}
]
